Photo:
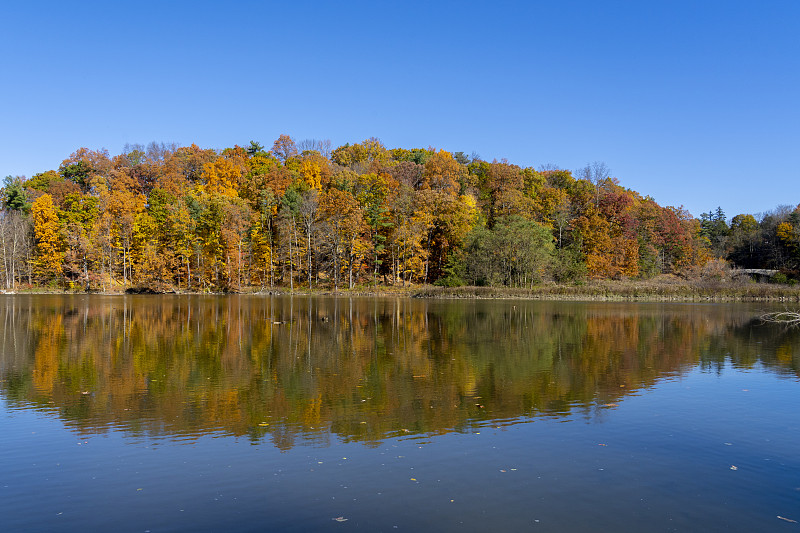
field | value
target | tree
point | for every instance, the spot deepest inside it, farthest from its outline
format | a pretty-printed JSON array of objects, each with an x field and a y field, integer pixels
[
  {"x": 14, "y": 196},
  {"x": 87, "y": 168},
  {"x": 49, "y": 247},
  {"x": 261, "y": 236},
  {"x": 284, "y": 148},
  {"x": 360, "y": 156},
  {"x": 344, "y": 225},
  {"x": 596, "y": 173},
  {"x": 745, "y": 241},
  {"x": 222, "y": 177},
  {"x": 372, "y": 192},
  {"x": 255, "y": 148},
  {"x": 309, "y": 211},
  {"x": 43, "y": 180},
  {"x": 443, "y": 173},
  {"x": 515, "y": 252},
  {"x": 15, "y": 241},
  {"x": 322, "y": 147},
  {"x": 78, "y": 217},
  {"x": 714, "y": 230}
]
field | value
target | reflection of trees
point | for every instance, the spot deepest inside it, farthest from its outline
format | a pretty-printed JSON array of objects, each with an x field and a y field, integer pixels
[{"x": 304, "y": 368}]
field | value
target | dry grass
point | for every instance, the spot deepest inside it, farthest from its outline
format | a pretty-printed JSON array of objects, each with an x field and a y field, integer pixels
[{"x": 664, "y": 288}]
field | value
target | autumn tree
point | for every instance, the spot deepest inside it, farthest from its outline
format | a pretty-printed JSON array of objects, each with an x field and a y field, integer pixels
[
  {"x": 344, "y": 225},
  {"x": 372, "y": 192},
  {"x": 78, "y": 217},
  {"x": 308, "y": 211},
  {"x": 360, "y": 156},
  {"x": 284, "y": 148},
  {"x": 262, "y": 237},
  {"x": 745, "y": 241},
  {"x": 86, "y": 168},
  {"x": 49, "y": 245}
]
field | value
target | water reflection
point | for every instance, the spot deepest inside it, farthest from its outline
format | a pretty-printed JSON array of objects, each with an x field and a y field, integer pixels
[{"x": 298, "y": 370}]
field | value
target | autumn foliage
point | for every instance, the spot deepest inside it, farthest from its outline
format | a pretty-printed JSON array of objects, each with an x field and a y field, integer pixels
[{"x": 186, "y": 218}]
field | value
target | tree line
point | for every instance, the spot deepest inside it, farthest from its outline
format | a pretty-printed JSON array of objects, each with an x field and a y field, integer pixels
[{"x": 168, "y": 217}]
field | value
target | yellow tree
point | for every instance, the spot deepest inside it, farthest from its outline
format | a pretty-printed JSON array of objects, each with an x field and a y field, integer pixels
[
  {"x": 48, "y": 239},
  {"x": 181, "y": 238},
  {"x": 119, "y": 209},
  {"x": 150, "y": 263},
  {"x": 222, "y": 177},
  {"x": 311, "y": 173},
  {"x": 345, "y": 226}
]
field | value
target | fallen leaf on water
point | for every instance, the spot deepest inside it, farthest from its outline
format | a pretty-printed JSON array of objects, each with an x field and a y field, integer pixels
[
  {"x": 787, "y": 519},
  {"x": 340, "y": 519}
]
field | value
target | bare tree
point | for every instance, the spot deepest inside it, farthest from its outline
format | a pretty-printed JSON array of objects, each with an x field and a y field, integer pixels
[
  {"x": 16, "y": 241},
  {"x": 549, "y": 166},
  {"x": 597, "y": 173},
  {"x": 316, "y": 145}
]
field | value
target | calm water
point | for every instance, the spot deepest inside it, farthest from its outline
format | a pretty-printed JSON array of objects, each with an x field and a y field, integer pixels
[{"x": 304, "y": 414}]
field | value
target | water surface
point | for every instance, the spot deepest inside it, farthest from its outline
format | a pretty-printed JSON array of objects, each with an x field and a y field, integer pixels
[{"x": 188, "y": 413}]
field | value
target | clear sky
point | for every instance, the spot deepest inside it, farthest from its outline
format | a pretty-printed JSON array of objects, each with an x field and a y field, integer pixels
[{"x": 694, "y": 103}]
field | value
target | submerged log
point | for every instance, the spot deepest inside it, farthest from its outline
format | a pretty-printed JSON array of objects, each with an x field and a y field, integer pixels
[{"x": 782, "y": 317}]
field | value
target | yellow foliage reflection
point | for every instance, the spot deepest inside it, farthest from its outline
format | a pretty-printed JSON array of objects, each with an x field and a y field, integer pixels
[{"x": 298, "y": 369}]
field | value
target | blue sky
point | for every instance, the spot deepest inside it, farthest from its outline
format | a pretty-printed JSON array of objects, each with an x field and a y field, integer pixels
[{"x": 692, "y": 103}]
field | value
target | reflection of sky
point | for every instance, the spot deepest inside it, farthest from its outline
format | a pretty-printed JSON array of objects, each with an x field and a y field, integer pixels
[{"x": 663, "y": 456}]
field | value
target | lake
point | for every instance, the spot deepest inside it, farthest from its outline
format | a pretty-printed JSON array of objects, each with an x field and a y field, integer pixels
[{"x": 266, "y": 413}]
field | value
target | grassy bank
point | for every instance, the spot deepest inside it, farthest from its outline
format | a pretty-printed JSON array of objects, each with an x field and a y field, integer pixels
[
  {"x": 664, "y": 288},
  {"x": 628, "y": 290}
]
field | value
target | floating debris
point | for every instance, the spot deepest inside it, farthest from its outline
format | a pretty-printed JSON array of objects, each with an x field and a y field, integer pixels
[{"x": 787, "y": 519}]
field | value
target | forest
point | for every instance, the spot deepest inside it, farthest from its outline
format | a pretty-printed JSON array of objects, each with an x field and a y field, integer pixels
[{"x": 168, "y": 218}]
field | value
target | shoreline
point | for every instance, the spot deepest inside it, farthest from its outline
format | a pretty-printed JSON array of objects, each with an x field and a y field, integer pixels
[{"x": 612, "y": 291}]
